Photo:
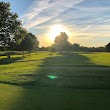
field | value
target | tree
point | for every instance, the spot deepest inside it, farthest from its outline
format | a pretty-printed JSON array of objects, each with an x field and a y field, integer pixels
[
  {"x": 52, "y": 48},
  {"x": 15, "y": 42},
  {"x": 76, "y": 47},
  {"x": 29, "y": 43},
  {"x": 61, "y": 42},
  {"x": 108, "y": 47},
  {"x": 9, "y": 25}
]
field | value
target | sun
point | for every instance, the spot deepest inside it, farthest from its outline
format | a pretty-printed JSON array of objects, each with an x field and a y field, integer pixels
[{"x": 55, "y": 31}]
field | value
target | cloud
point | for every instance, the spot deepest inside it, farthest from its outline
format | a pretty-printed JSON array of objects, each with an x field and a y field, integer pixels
[
  {"x": 107, "y": 20},
  {"x": 95, "y": 25},
  {"x": 43, "y": 10},
  {"x": 70, "y": 12},
  {"x": 104, "y": 27},
  {"x": 86, "y": 28},
  {"x": 86, "y": 20}
]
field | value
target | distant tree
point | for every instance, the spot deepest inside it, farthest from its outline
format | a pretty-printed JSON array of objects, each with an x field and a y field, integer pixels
[
  {"x": 29, "y": 43},
  {"x": 52, "y": 48},
  {"x": 61, "y": 42},
  {"x": 108, "y": 47},
  {"x": 9, "y": 24},
  {"x": 101, "y": 49},
  {"x": 43, "y": 48},
  {"x": 76, "y": 47},
  {"x": 92, "y": 49}
]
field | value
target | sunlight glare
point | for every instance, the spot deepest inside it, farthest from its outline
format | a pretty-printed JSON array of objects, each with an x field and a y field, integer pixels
[
  {"x": 52, "y": 76},
  {"x": 55, "y": 31}
]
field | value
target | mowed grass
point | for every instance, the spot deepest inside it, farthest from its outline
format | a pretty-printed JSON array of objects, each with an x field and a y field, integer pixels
[
  {"x": 11, "y": 69},
  {"x": 52, "y": 98},
  {"x": 98, "y": 58},
  {"x": 55, "y": 81},
  {"x": 72, "y": 69}
]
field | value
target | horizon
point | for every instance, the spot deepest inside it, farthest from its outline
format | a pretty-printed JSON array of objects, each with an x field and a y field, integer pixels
[{"x": 86, "y": 22}]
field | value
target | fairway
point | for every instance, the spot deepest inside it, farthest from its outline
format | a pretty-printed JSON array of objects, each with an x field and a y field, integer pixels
[
  {"x": 55, "y": 81},
  {"x": 52, "y": 98}
]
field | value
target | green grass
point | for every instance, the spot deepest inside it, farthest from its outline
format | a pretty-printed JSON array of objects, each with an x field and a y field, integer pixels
[
  {"x": 52, "y": 98},
  {"x": 99, "y": 58},
  {"x": 55, "y": 81},
  {"x": 12, "y": 69},
  {"x": 37, "y": 66}
]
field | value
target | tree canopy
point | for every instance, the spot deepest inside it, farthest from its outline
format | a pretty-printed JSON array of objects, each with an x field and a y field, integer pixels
[
  {"x": 10, "y": 26},
  {"x": 76, "y": 47},
  {"x": 12, "y": 34},
  {"x": 61, "y": 42},
  {"x": 29, "y": 43}
]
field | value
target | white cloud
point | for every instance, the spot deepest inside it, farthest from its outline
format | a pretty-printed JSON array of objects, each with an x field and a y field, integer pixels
[
  {"x": 86, "y": 28},
  {"x": 43, "y": 10},
  {"x": 85, "y": 21}
]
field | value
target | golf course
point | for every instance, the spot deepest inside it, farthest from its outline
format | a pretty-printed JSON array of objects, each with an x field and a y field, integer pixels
[
  {"x": 55, "y": 81},
  {"x": 55, "y": 55}
]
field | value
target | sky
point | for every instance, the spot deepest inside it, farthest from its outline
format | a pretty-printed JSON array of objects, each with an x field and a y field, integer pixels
[{"x": 86, "y": 22}]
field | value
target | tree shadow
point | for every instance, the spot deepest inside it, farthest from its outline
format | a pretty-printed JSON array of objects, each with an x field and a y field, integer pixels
[
  {"x": 8, "y": 53},
  {"x": 72, "y": 70},
  {"x": 55, "y": 98},
  {"x": 69, "y": 70},
  {"x": 68, "y": 59},
  {"x": 5, "y": 61},
  {"x": 89, "y": 52}
]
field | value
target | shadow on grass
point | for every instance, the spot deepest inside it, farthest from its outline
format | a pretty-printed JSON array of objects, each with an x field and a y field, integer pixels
[
  {"x": 5, "y": 61},
  {"x": 68, "y": 59},
  {"x": 61, "y": 88},
  {"x": 55, "y": 98},
  {"x": 8, "y": 53},
  {"x": 70, "y": 70},
  {"x": 66, "y": 70}
]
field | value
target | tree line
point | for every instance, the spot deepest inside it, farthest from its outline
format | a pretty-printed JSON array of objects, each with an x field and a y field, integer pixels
[
  {"x": 14, "y": 37},
  {"x": 61, "y": 43}
]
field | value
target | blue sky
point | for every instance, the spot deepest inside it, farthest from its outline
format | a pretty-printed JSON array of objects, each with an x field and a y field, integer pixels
[{"x": 87, "y": 22}]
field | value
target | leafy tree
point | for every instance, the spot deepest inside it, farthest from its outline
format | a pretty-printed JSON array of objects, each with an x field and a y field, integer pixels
[
  {"x": 52, "y": 48},
  {"x": 10, "y": 27},
  {"x": 76, "y": 47},
  {"x": 61, "y": 42},
  {"x": 43, "y": 48},
  {"x": 15, "y": 42},
  {"x": 108, "y": 47},
  {"x": 29, "y": 43}
]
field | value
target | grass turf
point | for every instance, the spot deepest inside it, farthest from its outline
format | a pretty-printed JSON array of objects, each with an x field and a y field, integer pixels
[
  {"x": 52, "y": 98},
  {"x": 73, "y": 69},
  {"x": 77, "y": 80}
]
